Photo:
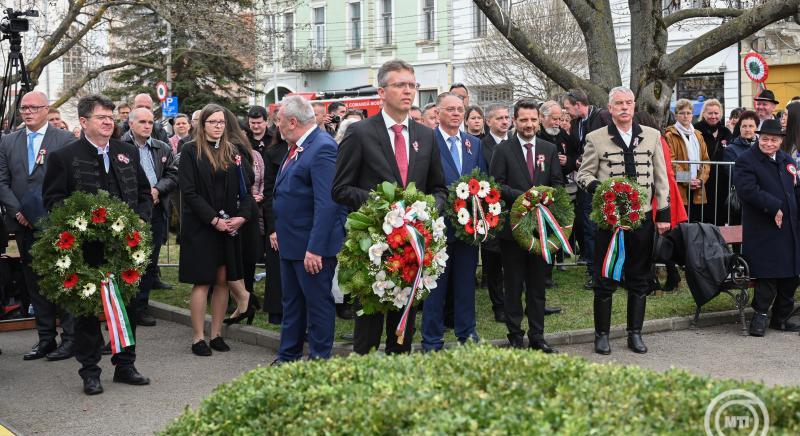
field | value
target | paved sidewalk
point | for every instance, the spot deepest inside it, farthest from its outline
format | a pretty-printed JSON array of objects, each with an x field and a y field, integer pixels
[{"x": 41, "y": 397}]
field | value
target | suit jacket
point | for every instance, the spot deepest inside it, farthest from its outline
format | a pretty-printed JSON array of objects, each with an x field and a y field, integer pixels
[
  {"x": 488, "y": 144},
  {"x": 510, "y": 171},
  {"x": 366, "y": 158},
  {"x": 274, "y": 155},
  {"x": 76, "y": 167},
  {"x": 16, "y": 185},
  {"x": 471, "y": 157},
  {"x": 597, "y": 119},
  {"x": 306, "y": 217},
  {"x": 163, "y": 162}
]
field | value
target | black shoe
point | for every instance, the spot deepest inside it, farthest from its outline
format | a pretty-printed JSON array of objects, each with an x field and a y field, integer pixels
[
  {"x": 345, "y": 311},
  {"x": 40, "y": 350},
  {"x": 551, "y": 310},
  {"x": 500, "y": 316},
  {"x": 635, "y": 342},
  {"x": 549, "y": 283},
  {"x": 542, "y": 346},
  {"x": 601, "y": 345},
  {"x": 64, "y": 351},
  {"x": 787, "y": 326},
  {"x": 92, "y": 386},
  {"x": 758, "y": 325},
  {"x": 161, "y": 285},
  {"x": 106, "y": 350},
  {"x": 218, "y": 344},
  {"x": 200, "y": 348},
  {"x": 589, "y": 284},
  {"x": 129, "y": 375},
  {"x": 250, "y": 313},
  {"x": 145, "y": 319},
  {"x": 278, "y": 362},
  {"x": 515, "y": 341}
]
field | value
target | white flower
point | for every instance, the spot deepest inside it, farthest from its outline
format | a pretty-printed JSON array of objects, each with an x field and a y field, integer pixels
[
  {"x": 438, "y": 227},
  {"x": 401, "y": 296},
  {"x": 63, "y": 263},
  {"x": 480, "y": 227},
  {"x": 88, "y": 290},
  {"x": 139, "y": 257},
  {"x": 494, "y": 209},
  {"x": 463, "y": 216},
  {"x": 381, "y": 285},
  {"x": 393, "y": 219},
  {"x": 421, "y": 208},
  {"x": 484, "y": 189},
  {"x": 376, "y": 252},
  {"x": 80, "y": 223},
  {"x": 441, "y": 257},
  {"x": 118, "y": 225},
  {"x": 429, "y": 282},
  {"x": 462, "y": 191}
]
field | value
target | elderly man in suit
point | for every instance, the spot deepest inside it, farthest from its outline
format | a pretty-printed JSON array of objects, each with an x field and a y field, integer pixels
[
  {"x": 22, "y": 168},
  {"x": 310, "y": 231},
  {"x": 514, "y": 169},
  {"x": 460, "y": 154},
  {"x": 91, "y": 163},
  {"x": 624, "y": 148},
  {"x": 389, "y": 146}
]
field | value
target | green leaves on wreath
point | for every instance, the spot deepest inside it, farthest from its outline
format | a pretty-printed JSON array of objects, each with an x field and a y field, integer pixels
[
  {"x": 617, "y": 203},
  {"x": 474, "y": 208},
  {"x": 524, "y": 225}
]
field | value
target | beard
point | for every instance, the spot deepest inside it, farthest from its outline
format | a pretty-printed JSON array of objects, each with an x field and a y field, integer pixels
[{"x": 552, "y": 131}]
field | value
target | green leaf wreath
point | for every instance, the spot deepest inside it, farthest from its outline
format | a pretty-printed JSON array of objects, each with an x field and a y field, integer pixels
[
  {"x": 474, "y": 208},
  {"x": 616, "y": 204},
  {"x": 524, "y": 222},
  {"x": 58, "y": 254}
]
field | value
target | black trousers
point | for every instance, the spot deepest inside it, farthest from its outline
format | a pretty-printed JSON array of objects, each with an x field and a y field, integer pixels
[
  {"x": 46, "y": 310},
  {"x": 369, "y": 330},
  {"x": 638, "y": 260},
  {"x": 781, "y": 291},
  {"x": 523, "y": 269},
  {"x": 492, "y": 266},
  {"x": 89, "y": 342},
  {"x": 158, "y": 228}
]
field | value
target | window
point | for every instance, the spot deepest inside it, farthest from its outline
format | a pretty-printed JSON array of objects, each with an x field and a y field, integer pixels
[
  {"x": 288, "y": 30},
  {"x": 386, "y": 22},
  {"x": 488, "y": 94},
  {"x": 707, "y": 86},
  {"x": 319, "y": 28},
  {"x": 427, "y": 96},
  {"x": 271, "y": 32},
  {"x": 480, "y": 22},
  {"x": 429, "y": 24},
  {"x": 355, "y": 25}
]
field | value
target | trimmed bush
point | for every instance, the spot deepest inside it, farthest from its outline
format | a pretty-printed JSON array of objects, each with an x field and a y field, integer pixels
[{"x": 471, "y": 389}]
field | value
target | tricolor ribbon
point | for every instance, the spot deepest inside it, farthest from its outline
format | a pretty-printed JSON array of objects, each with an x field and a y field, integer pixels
[
  {"x": 119, "y": 328},
  {"x": 477, "y": 211},
  {"x": 615, "y": 256},
  {"x": 417, "y": 242},
  {"x": 545, "y": 219}
]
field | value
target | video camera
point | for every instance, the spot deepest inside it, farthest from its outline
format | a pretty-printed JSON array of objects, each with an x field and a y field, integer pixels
[{"x": 13, "y": 23}]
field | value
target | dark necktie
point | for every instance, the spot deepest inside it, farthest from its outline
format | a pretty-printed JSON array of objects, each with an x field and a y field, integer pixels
[{"x": 529, "y": 159}]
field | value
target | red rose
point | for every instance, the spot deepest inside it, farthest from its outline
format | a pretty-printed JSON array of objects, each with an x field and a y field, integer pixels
[
  {"x": 71, "y": 281},
  {"x": 133, "y": 239},
  {"x": 493, "y": 196},
  {"x": 397, "y": 238},
  {"x": 619, "y": 188},
  {"x": 633, "y": 216},
  {"x": 609, "y": 208},
  {"x": 636, "y": 205},
  {"x": 474, "y": 186},
  {"x": 634, "y": 196},
  {"x": 626, "y": 188},
  {"x": 130, "y": 276},
  {"x": 99, "y": 215},
  {"x": 609, "y": 196},
  {"x": 611, "y": 219},
  {"x": 65, "y": 240},
  {"x": 459, "y": 204},
  {"x": 469, "y": 228}
]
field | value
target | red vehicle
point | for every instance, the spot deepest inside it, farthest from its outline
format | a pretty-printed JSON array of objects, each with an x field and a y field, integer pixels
[{"x": 363, "y": 98}]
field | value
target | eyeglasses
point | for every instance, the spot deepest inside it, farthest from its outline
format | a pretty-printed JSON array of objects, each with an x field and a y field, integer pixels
[
  {"x": 215, "y": 123},
  {"x": 404, "y": 85},
  {"x": 31, "y": 109}
]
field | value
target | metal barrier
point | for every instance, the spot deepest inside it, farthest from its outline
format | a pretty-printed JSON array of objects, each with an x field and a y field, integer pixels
[{"x": 716, "y": 201}]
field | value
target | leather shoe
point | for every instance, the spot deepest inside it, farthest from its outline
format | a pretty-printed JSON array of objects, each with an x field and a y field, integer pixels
[
  {"x": 787, "y": 326},
  {"x": 92, "y": 386},
  {"x": 200, "y": 348},
  {"x": 549, "y": 283},
  {"x": 161, "y": 285},
  {"x": 551, "y": 310},
  {"x": 635, "y": 342},
  {"x": 500, "y": 316},
  {"x": 145, "y": 319},
  {"x": 64, "y": 351},
  {"x": 345, "y": 311},
  {"x": 218, "y": 344},
  {"x": 40, "y": 350},
  {"x": 278, "y": 362},
  {"x": 130, "y": 375},
  {"x": 601, "y": 345},
  {"x": 516, "y": 342},
  {"x": 758, "y": 324},
  {"x": 589, "y": 285},
  {"x": 542, "y": 346},
  {"x": 106, "y": 350}
]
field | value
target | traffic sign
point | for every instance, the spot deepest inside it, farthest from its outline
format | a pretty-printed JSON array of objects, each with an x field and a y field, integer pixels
[
  {"x": 162, "y": 91},
  {"x": 169, "y": 108}
]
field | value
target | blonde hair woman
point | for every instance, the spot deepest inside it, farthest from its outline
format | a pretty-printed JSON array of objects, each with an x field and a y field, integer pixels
[{"x": 687, "y": 144}]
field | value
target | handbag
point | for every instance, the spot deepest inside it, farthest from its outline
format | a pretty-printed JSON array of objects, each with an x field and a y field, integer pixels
[{"x": 733, "y": 202}]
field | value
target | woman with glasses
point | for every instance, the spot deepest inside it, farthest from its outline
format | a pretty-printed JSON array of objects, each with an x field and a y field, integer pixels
[
  {"x": 213, "y": 179},
  {"x": 687, "y": 144}
]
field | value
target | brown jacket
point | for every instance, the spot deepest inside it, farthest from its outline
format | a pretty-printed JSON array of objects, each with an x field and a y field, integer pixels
[{"x": 677, "y": 149}]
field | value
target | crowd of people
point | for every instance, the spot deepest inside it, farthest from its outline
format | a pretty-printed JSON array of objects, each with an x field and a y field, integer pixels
[{"x": 276, "y": 188}]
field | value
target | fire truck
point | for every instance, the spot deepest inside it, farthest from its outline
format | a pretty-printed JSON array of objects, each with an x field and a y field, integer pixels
[{"x": 364, "y": 98}]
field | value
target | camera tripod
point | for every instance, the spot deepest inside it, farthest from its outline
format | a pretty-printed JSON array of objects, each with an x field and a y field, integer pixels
[{"x": 16, "y": 83}]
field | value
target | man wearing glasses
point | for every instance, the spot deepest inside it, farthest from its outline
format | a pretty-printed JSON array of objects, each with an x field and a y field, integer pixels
[
  {"x": 91, "y": 163},
  {"x": 389, "y": 146},
  {"x": 22, "y": 166}
]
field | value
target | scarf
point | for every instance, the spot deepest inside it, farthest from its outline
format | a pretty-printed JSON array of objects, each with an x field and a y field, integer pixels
[{"x": 692, "y": 146}]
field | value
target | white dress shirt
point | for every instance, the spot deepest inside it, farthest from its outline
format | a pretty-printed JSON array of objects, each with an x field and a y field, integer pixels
[
  {"x": 626, "y": 136},
  {"x": 522, "y": 143},
  {"x": 498, "y": 139},
  {"x": 391, "y": 122}
]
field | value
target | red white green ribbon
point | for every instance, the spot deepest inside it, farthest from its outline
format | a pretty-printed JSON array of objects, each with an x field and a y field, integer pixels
[
  {"x": 119, "y": 328},
  {"x": 545, "y": 219},
  {"x": 417, "y": 242},
  {"x": 615, "y": 256},
  {"x": 477, "y": 211}
]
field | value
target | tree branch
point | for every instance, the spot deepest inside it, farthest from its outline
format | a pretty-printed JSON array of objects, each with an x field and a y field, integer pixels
[
  {"x": 91, "y": 75},
  {"x": 685, "y": 14}
]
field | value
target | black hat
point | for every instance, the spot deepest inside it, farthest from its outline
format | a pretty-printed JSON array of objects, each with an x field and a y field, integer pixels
[
  {"x": 766, "y": 95},
  {"x": 771, "y": 127}
]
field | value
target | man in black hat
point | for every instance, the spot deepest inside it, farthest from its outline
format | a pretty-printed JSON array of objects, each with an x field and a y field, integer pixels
[
  {"x": 765, "y": 104},
  {"x": 770, "y": 227}
]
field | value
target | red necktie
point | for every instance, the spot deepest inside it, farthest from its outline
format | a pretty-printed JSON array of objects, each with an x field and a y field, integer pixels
[
  {"x": 290, "y": 156},
  {"x": 529, "y": 160},
  {"x": 400, "y": 152}
]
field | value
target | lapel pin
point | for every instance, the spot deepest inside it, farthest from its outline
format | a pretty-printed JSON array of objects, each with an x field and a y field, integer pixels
[
  {"x": 415, "y": 145},
  {"x": 468, "y": 144},
  {"x": 123, "y": 158},
  {"x": 40, "y": 156}
]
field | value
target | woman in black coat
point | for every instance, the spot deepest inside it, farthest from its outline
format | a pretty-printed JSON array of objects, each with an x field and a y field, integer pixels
[
  {"x": 216, "y": 204},
  {"x": 767, "y": 182},
  {"x": 716, "y": 136},
  {"x": 274, "y": 155}
]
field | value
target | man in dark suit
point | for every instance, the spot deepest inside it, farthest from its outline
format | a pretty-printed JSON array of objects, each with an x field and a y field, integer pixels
[
  {"x": 91, "y": 163},
  {"x": 22, "y": 167},
  {"x": 158, "y": 164},
  {"x": 310, "y": 231},
  {"x": 388, "y": 147},
  {"x": 460, "y": 154},
  {"x": 519, "y": 164},
  {"x": 499, "y": 121}
]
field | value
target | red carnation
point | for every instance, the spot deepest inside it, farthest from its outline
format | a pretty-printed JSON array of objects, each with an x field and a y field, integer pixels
[
  {"x": 619, "y": 188},
  {"x": 130, "y": 276},
  {"x": 609, "y": 208},
  {"x": 474, "y": 186},
  {"x": 493, "y": 196},
  {"x": 409, "y": 274},
  {"x": 609, "y": 196},
  {"x": 133, "y": 239},
  {"x": 394, "y": 262},
  {"x": 65, "y": 240},
  {"x": 428, "y": 257},
  {"x": 71, "y": 281},
  {"x": 469, "y": 228},
  {"x": 99, "y": 215},
  {"x": 397, "y": 238},
  {"x": 633, "y": 216},
  {"x": 459, "y": 204}
]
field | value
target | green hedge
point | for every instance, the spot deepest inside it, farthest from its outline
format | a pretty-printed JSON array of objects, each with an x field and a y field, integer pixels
[{"x": 472, "y": 389}]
